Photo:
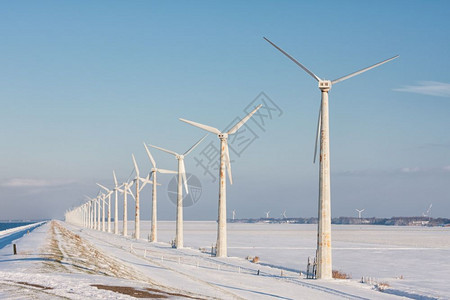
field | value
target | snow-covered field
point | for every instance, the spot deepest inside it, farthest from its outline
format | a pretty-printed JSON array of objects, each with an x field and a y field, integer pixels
[{"x": 58, "y": 260}]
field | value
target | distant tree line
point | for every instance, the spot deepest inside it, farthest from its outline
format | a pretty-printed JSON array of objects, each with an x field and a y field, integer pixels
[{"x": 397, "y": 221}]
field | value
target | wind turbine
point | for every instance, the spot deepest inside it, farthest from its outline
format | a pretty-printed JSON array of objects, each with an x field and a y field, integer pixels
[
  {"x": 98, "y": 213},
  {"x": 324, "y": 265},
  {"x": 234, "y": 214},
  {"x": 267, "y": 214},
  {"x": 126, "y": 190},
  {"x": 116, "y": 204},
  {"x": 428, "y": 212},
  {"x": 359, "y": 212},
  {"x": 153, "y": 234},
  {"x": 137, "y": 216},
  {"x": 225, "y": 165},
  {"x": 181, "y": 178},
  {"x": 93, "y": 212},
  {"x": 109, "y": 192},
  {"x": 283, "y": 215}
]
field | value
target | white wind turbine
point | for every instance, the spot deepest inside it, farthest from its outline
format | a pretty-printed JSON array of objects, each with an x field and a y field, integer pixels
[
  {"x": 283, "y": 215},
  {"x": 154, "y": 171},
  {"x": 359, "y": 212},
  {"x": 324, "y": 265},
  {"x": 234, "y": 214},
  {"x": 181, "y": 180},
  {"x": 428, "y": 212},
  {"x": 92, "y": 208},
  {"x": 126, "y": 190},
  {"x": 267, "y": 214},
  {"x": 102, "y": 202},
  {"x": 98, "y": 213},
  {"x": 109, "y": 192},
  {"x": 137, "y": 215},
  {"x": 116, "y": 204},
  {"x": 225, "y": 165}
]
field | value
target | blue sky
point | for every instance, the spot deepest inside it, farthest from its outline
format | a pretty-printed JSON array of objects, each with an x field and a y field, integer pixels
[{"x": 83, "y": 84}]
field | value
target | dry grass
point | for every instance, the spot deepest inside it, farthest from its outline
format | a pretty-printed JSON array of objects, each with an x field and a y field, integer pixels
[
  {"x": 255, "y": 259},
  {"x": 340, "y": 275},
  {"x": 381, "y": 286}
]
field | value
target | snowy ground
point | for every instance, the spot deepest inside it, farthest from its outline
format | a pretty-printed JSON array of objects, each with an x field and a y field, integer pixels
[{"x": 57, "y": 260}]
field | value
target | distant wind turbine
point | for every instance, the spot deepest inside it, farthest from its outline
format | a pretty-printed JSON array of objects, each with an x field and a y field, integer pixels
[
  {"x": 137, "y": 215},
  {"x": 283, "y": 214},
  {"x": 109, "y": 192},
  {"x": 359, "y": 212},
  {"x": 234, "y": 214},
  {"x": 428, "y": 212},
  {"x": 116, "y": 204},
  {"x": 179, "y": 243},
  {"x": 267, "y": 214},
  {"x": 126, "y": 190},
  {"x": 324, "y": 265},
  {"x": 154, "y": 171},
  {"x": 225, "y": 164}
]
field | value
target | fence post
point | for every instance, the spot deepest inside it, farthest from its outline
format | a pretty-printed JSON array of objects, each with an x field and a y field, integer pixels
[{"x": 14, "y": 249}]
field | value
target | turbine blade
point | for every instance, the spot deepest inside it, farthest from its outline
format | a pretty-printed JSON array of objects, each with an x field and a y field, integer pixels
[
  {"x": 295, "y": 61},
  {"x": 204, "y": 127},
  {"x": 131, "y": 193},
  {"x": 183, "y": 176},
  {"x": 319, "y": 120},
  {"x": 242, "y": 122},
  {"x": 196, "y": 144},
  {"x": 165, "y": 150},
  {"x": 150, "y": 156},
  {"x": 363, "y": 70},
  {"x": 135, "y": 165},
  {"x": 228, "y": 162},
  {"x": 115, "y": 178},
  {"x": 164, "y": 171},
  {"x": 144, "y": 182},
  {"x": 106, "y": 189}
]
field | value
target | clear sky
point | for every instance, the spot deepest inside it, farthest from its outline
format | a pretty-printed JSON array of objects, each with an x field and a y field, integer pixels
[{"x": 83, "y": 84}]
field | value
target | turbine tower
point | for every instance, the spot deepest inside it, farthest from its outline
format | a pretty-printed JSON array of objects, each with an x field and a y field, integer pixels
[
  {"x": 116, "y": 204},
  {"x": 109, "y": 192},
  {"x": 179, "y": 243},
  {"x": 267, "y": 214},
  {"x": 359, "y": 212},
  {"x": 324, "y": 265},
  {"x": 137, "y": 215},
  {"x": 234, "y": 214},
  {"x": 126, "y": 190},
  {"x": 154, "y": 231},
  {"x": 225, "y": 165}
]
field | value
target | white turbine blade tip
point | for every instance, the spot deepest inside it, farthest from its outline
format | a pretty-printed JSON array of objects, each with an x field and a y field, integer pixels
[
  {"x": 295, "y": 61},
  {"x": 202, "y": 126},
  {"x": 165, "y": 150},
  {"x": 150, "y": 156},
  {"x": 195, "y": 145},
  {"x": 363, "y": 70},
  {"x": 243, "y": 121}
]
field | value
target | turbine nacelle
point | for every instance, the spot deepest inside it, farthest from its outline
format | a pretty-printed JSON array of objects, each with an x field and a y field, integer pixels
[
  {"x": 325, "y": 85},
  {"x": 223, "y": 136}
]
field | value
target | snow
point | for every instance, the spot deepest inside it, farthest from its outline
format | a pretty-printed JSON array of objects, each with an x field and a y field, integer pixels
[{"x": 58, "y": 260}]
